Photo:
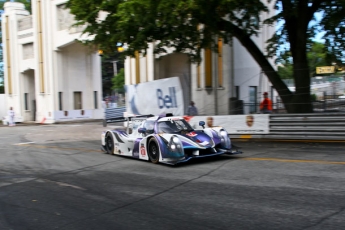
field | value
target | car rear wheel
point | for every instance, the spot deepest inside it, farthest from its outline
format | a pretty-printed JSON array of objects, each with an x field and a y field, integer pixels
[
  {"x": 109, "y": 143},
  {"x": 153, "y": 151}
]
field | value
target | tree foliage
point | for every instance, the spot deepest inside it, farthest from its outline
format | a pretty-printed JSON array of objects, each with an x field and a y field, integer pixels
[
  {"x": 189, "y": 26},
  {"x": 119, "y": 81},
  {"x": 317, "y": 56},
  {"x": 108, "y": 70}
]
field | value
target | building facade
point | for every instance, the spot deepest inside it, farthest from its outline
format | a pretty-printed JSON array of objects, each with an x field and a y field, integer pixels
[{"x": 49, "y": 75}]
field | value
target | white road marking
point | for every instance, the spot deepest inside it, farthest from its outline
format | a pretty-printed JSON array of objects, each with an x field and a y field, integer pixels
[
  {"x": 15, "y": 181},
  {"x": 61, "y": 184},
  {"x": 25, "y": 143}
]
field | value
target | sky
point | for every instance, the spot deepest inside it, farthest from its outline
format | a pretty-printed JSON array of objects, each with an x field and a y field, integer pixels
[{"x": 318, "y": 37}]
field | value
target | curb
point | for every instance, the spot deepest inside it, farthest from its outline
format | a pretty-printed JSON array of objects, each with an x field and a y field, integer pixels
[{"x": 33, "y": 123}]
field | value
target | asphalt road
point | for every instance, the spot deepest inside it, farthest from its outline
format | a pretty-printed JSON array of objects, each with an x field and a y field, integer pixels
[{"x": 56, "y": 177}]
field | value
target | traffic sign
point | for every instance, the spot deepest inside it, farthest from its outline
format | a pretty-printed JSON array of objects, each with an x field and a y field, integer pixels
[{"x": 325, "y": 69}]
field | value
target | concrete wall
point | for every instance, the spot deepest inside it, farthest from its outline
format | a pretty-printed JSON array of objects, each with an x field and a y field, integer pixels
[{"x": 3, "y": 108}]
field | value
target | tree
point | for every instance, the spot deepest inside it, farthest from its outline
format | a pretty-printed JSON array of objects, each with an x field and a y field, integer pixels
[
  {"x": 119, "y": 81},
  {"x": 190, "y": 26},
  {"x": 27, "y": 4},
  {"x": 2, "y": 88},
  {"x": 317, "y": 56},
  {"x": 108, "y": 70}
]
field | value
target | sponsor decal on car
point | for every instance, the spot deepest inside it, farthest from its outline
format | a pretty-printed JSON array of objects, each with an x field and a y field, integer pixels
[
  {"x": 192, "y": 134},
  {"x": 204, "y": 143},
  {"x": 142, "y": 150}
]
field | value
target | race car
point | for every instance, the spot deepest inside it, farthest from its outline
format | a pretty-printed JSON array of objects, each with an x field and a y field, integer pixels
[{"x": 165, "y": 139}]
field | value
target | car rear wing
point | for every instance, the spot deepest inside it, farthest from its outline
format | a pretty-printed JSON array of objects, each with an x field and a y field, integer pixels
[{"x": 124, "y": 119}]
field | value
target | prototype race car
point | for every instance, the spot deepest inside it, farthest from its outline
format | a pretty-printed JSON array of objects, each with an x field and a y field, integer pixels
[{"x": 167, "y": 139}]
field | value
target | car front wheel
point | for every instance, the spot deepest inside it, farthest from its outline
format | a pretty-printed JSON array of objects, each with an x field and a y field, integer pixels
[
  {"x": 109, "y": 143},
  {"x": 153, "y": 151}
]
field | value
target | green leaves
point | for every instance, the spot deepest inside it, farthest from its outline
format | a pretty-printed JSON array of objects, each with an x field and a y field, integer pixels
[
  {"x": 184, "y": 25},
  {"x": 119, "y": 81}
]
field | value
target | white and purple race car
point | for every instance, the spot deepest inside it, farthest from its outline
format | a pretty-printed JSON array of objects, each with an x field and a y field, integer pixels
[{"x": 167, "y": 139}]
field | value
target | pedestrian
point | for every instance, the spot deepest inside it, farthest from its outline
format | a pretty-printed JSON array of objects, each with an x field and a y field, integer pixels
[
  {"x": 192, "y": 110},
  {"x": 11, "y": 117},
  {"x": 266, "y": 104}
]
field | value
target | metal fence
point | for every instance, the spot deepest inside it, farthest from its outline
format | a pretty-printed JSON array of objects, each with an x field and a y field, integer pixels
[
  {"x": 327, "y": 105},
  {"x": 302, "y": 127},
  {"x": 316, "y": 126}
]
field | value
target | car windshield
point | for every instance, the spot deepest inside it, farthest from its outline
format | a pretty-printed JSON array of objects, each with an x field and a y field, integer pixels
[{"x": 174, "y": 126}]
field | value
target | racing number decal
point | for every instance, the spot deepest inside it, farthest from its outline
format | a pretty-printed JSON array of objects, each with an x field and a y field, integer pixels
[
  {"x": 142, "y": 150},
  {"x": 192, "y": 134}
]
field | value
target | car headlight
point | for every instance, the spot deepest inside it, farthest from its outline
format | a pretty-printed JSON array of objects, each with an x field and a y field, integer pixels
[
  {"x": 176, "y": 140},
  {"x": 223, "y": 133},
  {"x": 175, "y": 146},
  {"x": 224, "y": 139}
]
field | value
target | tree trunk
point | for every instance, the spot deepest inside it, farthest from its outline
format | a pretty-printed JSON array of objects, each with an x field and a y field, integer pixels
[
  {"x": 283, "y": 91},
  {"x": 297, "y": 26}
]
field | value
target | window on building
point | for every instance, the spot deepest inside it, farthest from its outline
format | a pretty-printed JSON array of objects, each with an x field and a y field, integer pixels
[
  {"x": 28, "y": 51},
  {"x": 60, "y": 100},
  {"x": 26, "y": 101},
  {"x": 220, "y": 62},
  {"x": 237, "y": 92},
  {"x": 137, "y": 67},
  {"x": 208, "y": 68},
  {"x": 95, "y": 98},
  {"x": 252, "y": 99},
  {"x": 198, "y": 85},
  {"x": 77, "y": 100}
]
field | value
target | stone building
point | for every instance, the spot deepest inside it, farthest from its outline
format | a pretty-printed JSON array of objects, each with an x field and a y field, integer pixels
[{"x": 49, "y": 75}]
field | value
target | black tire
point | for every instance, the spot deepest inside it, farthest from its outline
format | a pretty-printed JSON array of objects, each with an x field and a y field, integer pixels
[
  {"x": 153, "y": 151},
  {"x": 109, "y": 143}
]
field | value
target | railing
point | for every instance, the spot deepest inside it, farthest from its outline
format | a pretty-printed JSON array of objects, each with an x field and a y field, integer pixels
[
  {"x": 315, "y": 126},
  {"x": 111, "y": 113},
  {"x": 329, "y": 105}
]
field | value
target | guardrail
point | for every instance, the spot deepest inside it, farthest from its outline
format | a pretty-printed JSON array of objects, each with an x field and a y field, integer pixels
[
  {"x": 314, "y": 126},
  {"x": 112, "y": 113}
]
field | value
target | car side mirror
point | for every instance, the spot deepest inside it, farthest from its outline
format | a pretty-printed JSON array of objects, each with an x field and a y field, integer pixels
[
  {"x": 202, "y": 123},
  {"x": 141, "y": 130}
]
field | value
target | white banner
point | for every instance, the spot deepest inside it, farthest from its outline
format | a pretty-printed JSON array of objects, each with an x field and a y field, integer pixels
[
  {"x": 70, "y": 115},
  {"x": 155, "y": 97},
  {"x": 234, "y": 124}
]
